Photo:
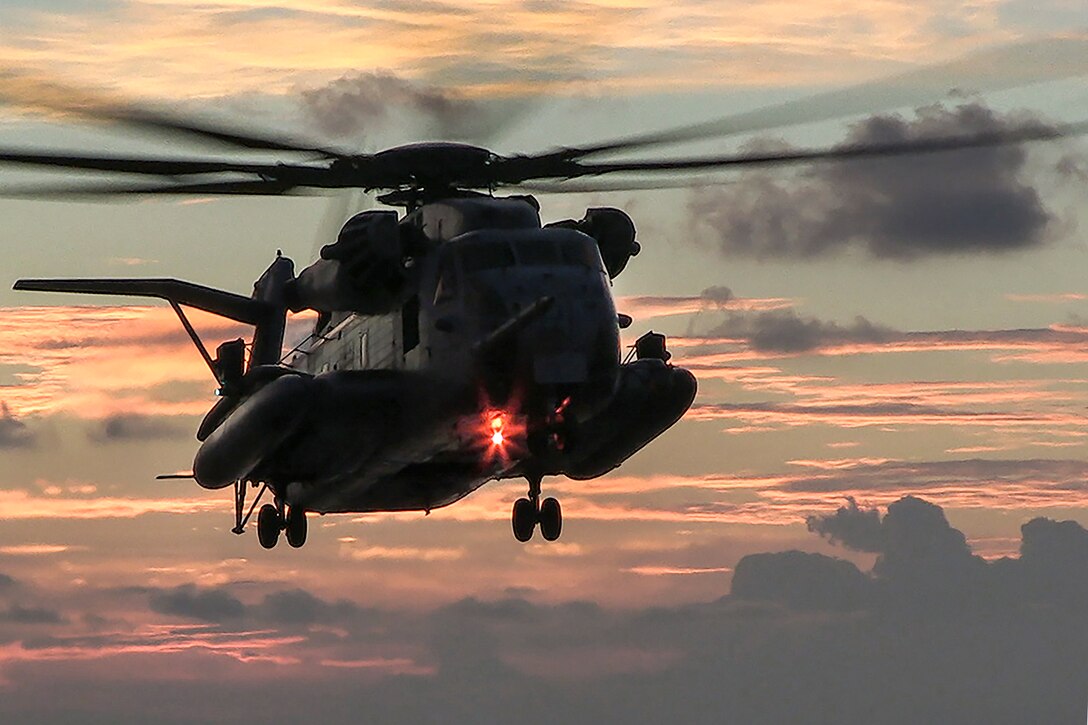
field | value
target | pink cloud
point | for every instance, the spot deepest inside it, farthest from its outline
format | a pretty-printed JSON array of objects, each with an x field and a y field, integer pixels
[
  {"x": 22, "y": 505},
  {"x": 643, "y": 307}
]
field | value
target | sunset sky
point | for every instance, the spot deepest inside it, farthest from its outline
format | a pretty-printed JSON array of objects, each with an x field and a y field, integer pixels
[{"x": 864, "y": 332}]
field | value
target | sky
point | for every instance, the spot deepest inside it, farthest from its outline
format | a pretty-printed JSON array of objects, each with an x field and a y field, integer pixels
[{"x": 873, "y": 512}]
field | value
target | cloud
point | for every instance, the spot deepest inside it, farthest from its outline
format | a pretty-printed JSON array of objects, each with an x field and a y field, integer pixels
[
  {"x": 363, "y": 103},
  {"x": 300, "y": 607},
  {"x": 799, "y": 633},
  {"x": 1059, "y": 343},
  {"x": 137, "y": 427},
  {"x": 21, "y": 505},
  {"x": 712, "y": 299},
  {"x": 100, "y": 362},
  {"x": 1054, "y": 556},
  {"x": 885, "y": 413},
  {"x": 801, "y": 581},
  {"x": 903, "y": 208},
  {"x": 718, "y": 294},
  {"x": 17, "y": 614},
  {"x": 208, "y": 605},
  {"x": 850, "y": 526},
  {"x": 37, "y": 549},
  {"x": 923, "y": 562},
  {"x": 923, "y": 556},
  {"x": 13, "y": 432},
  {"x": 785, "y": 331}
]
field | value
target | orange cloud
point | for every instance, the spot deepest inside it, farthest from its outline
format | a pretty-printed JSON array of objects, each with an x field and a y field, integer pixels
[
  {"x": 97, "y": 362},
  {"x": 22, "y": 505},
  {"x": 652, "y": 306},
  {"x": 1050, "y": 298},
  {"x": 676, "y": 570},
  {"x": 270, "y": 46}
]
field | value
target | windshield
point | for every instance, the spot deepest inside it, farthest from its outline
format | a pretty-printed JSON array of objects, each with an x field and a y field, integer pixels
[{"x": 478, "y": 256}]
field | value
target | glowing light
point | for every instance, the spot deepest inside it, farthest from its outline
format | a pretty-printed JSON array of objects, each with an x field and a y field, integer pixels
[
  {"x": 500, "y": 434},
  {"x": 497, "y": 424}
]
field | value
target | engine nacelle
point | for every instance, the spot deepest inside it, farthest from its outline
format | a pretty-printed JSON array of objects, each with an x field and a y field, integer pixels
[
  {"x": 651, "y": 396},
  {"x": 615, "y": 235},
  {"x": 362, "y": 271},
  {"x": 252, "y": 431}
]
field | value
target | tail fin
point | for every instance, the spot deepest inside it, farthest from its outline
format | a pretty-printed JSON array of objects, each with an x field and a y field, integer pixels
[
  {"x": 226, "y": 304},
  {"x": 265, "y": 310}
]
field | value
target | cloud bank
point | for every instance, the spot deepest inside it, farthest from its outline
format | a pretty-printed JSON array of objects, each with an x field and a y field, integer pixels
[
  {"x": 932, "y": 633},
  {"x": 902, "y": 208}
]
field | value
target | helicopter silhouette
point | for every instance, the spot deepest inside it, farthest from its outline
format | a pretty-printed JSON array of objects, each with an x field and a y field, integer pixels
[{"x": 461, "y": 341}]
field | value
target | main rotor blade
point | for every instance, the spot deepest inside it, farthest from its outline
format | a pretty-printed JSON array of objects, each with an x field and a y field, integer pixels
[
  {"x": 985, "y": 71},
  {"x": 600, "y": 187},
  {"x": 856, "y": 151},
  {"x": 212, "y": 188},
  {"x": 148, "y": 166},
  {"x": 26, "y": 91}
]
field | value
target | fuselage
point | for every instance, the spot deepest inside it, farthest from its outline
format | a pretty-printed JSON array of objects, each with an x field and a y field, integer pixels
[
  {"x": 492, "y": 353},
  {"x": 452, "y": 375}
]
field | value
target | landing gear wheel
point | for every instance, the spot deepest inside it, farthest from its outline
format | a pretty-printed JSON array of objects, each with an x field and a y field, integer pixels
[
  {"x": 551, "y": 519},
  {"x": 269, "y": 524},
  {"x": 296, "y": 526},
  {"x": 524, "y": 519}
]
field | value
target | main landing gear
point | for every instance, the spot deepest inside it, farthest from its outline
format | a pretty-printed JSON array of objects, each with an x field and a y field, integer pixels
[
  {"x": 271, "y": 519},
  {"x": 528, "y": 512}
]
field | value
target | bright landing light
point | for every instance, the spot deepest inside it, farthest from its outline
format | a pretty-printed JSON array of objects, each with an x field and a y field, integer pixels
[{"x": 497, "y": 424}]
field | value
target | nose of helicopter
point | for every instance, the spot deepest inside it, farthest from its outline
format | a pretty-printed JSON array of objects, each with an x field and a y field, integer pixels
[{"x": 575, "y": 340}]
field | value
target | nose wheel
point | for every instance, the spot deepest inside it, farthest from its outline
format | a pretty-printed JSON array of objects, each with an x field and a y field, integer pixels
[{"x": 531, "y": 511}]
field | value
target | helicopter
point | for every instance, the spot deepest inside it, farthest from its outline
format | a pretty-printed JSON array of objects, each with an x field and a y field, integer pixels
[{"x": 457, "y": 341}]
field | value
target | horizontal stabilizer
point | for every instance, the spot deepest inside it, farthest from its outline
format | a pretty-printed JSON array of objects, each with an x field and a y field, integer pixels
[
  {"x": 219, "y": 302},
  {"x": 173, "y": 476}
]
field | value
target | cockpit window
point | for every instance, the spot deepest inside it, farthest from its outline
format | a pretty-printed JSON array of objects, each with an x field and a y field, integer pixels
[
  {"x": 490, "y": 255},
  {"x": 536, "y": 252}
]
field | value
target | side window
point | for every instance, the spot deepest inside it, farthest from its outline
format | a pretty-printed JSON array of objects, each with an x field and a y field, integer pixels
[
  {"x": 364, "y": 351},
  {"x": 410, "y": 323}
]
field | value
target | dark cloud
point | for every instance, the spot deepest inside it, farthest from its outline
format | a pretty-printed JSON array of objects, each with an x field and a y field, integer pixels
[
  {"x": 920, "y": 546},
  {"x": 13, "y": 432},
  {"x": 786, "y": 331},
  {"x": 1054, "y": 558},
  {"x": 299, "y": 607},
  {"x": 801, "y": 638},
  {"x": 296, "y": 606},
  {"x": 208, "y": 605},
  {"x": 850, "y": 526},
  {"x": 904, "y": 208},
  {"x": 1074, "y": 168},
  {"x": 718, "y": 294},
  {"x": 6, "y": 582},
  {"x": 17, "y": 614},
  {"x": 133, "y": 426},
  {"x": 354, "y": 105},
  {"x": 925, "y": 566},
  {"x": 800, "y": 580}
]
